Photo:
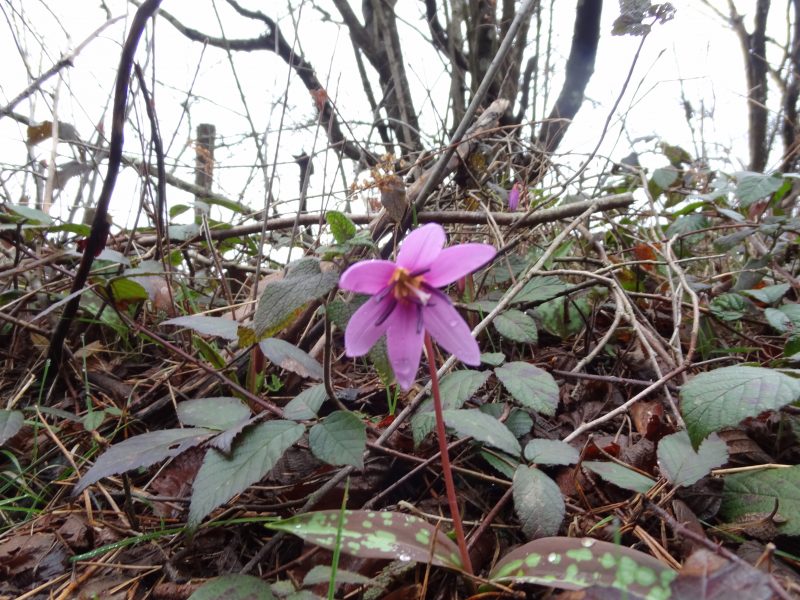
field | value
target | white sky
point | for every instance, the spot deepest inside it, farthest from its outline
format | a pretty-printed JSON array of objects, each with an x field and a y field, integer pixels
[{"x": 696, "y": 48}]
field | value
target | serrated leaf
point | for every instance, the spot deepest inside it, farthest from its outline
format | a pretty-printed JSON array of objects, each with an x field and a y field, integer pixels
[
  {"x": 537, "y": 502},
  {"x": 725, "y": 397},
  {"x": 212, "y": 413},
  {"x": 339, "y": 439},
  {"x": 627, "y": 479},
  {"x": 531, "y": 386},
  {"x": 503, "y": 464},
  {"x": 205, "y": 325},
  {"x": 493, "y": 359},
  {"x": 769, "y": 294},
  {"x": 681, "y": 465},
  {"x": 256, "y": 451},
  {"x": 341, "y": 226},
  {"x": 483, "y": 428},
  {"x": 727, "y": 242},
  {"x": 290, "y": 358},
  {"x": 322, "y": 574},
  {"x": 540, "y": 289},
  {"x": 375, "y": 534},
  {"x": 729, "y": 307},
  {"x": 282, "y": 299},
  {"x": 515, "y": 325},
  {"x": 142, "y": 451},
  {"x": 233, "y": 587},
  {"x": 519, "y": 422},
  {"x": 306, "y": 404},
  {"x": 759, "y": 492},
  {"x": 11, "y": 421},
  {"x": 551, "y": 452},
  {"x": 578, "y": 563},
  {"x": 686, "y": 224},
  {"x": 753, "y": 187}
]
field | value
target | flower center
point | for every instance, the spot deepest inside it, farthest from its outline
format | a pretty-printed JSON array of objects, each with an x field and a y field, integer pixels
[{"x": 408, "y": 286}]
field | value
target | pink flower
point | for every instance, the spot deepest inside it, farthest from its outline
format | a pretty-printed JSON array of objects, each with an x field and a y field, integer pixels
[
  {"x": 405, "y": 301},
  {"x": 513, "y": 196}
]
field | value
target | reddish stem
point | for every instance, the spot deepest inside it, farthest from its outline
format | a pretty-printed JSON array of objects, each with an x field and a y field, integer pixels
[{"x": 446, "y": 469}]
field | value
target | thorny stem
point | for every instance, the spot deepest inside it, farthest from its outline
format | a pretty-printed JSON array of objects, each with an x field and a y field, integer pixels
[{"x": 446, "y": 469}]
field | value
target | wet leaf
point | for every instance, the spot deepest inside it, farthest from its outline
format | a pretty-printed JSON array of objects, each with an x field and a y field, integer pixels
[
  {"x": 205, "y": 325},
  {"x": 142, "y": 451},
  {"x": 726, "y": 396},
  {"x": 306, "y": 404},
  {"x": 290, "y": 358},
  {"x": 623, "y": 477},
  {"x": 681, "y": 465},
  {"x": 551, "y": 452},
  {"x": 538, "y": 502},
  {"x": 233, "y": 587},
  {"x": 11, "y": 421},
  {"x": 483, "y": 428},
  {"x": 531, "y": 386},
  {"x": 255, "y": 452},
  {"x": 339, "y": 439},
  {"x": 517, "y": 326},
  {"x": 579, "y": 563},
  {"x": 375, "y": 534},
  {"x": 760, "y": 491},
  {"x": 212, "y": 413},
  {"x": 283, "y": 298}
]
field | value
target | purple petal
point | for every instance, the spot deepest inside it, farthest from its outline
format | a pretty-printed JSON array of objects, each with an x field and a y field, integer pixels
[
  {"x": 456, "y": 261},
  {"x": 404, "y": 343},
  {"x": 367, "y": 276},
  {"x": 513, "y": 197},
  {"x": 421, "y": 247},
  {"x": 450, "y": 331},
  {"x": 364, "y": 328}
]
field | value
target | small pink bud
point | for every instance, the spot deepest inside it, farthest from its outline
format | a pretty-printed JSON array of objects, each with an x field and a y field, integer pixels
[{"x": 513, "y": 197}]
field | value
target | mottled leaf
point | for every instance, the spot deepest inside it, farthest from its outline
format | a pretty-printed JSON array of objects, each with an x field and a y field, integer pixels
[
  {"x": 538, "y": 502},
  {"x": 142, "y": 451},
  {"x": 531, "y": 386},
  {"x": 339, "y": 439},
  {"x": 256, "y": 451},
  {"x": 726, "y": 396},
  {"x": 579, "y": 563},
  {"x": 375, "y": 534},
  {"x": 681, "y": 465},
  {"x": 623, "y": 477},
  {"x": 212, "y": 413},
  {"x": 290, "y": 358},
  {"x": 205, "y": 325},
  {"x": 551, "y": 452},
  {"x": 233, "y": 587}
]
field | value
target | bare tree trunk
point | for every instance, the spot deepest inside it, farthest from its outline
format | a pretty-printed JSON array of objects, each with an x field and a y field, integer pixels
[
  {"x": 204, "y": 165},
  {"x": 791, "y": 141}
]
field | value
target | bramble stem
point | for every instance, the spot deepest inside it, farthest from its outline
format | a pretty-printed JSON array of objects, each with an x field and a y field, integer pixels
[{"x": 446, "y": 469}]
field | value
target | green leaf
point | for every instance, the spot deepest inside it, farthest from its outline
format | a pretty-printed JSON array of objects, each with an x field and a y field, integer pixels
[
  {"x": 665, "y": 177},
  {"x": 760, "y": 491},
  {"x": 255, "y": 453},
  {"x": 729, "y": 307},
  {"x": 519, "y": 422},
  {"x": 484, "y": 428},
  {"x": 11, "y": 421},
  {"x": 212, "y": 413},
  {"x": 769, "y": 294},
  {"x": 205, "y": 325},
  {"x": 531, "y": 386},
  {"x": 578, "y": 563},
  {"x": 540, "y": 289},
  {"x": 753, "y": 187},
  {"x": 785, "y": 319},
  {"x": 538, "y": 502},
  {"x": 123, "y": 289},
  {"x": 725, "y": 397},
  {"x": 27, "y": 213},
  {"x": 142, "y": 451},
  {"x": 178, "y": 209},
  {"x": 687, "y": 224},
  {"x": 681, "y": 465},
  {"x": 517, "y": 326},
  {"x": 375, "y": 534},
  {"x": 623, "y": 477},
  {"x": 306, "y": 404},
  {"x": 341, "y": 226},
  {"x": 551, "y": 452},
  {"x": 233, "y": 587},
  {"x": 503, "y": 464},
  {"x": 339, "y": 439},
  {"x": 493, "y": 359},
  {"x": 282, "y": 299},
  {"x": 290, "y": 358},
  {"x": 563, "y": 317},
  {"x": 322, "y": 574}
]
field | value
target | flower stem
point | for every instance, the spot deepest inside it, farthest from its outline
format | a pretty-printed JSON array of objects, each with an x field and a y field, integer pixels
[{"x": 446, "y": 469}]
